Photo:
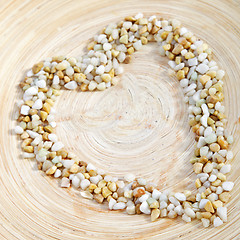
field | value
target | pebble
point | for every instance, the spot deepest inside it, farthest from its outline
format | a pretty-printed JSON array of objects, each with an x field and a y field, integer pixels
[
  {"x": 225, "y": 169},
  {"x": 205, "y": 222},
  {"x": 76, "y": 182},
  {"x": 111, "y": 203},
  {"x": 202, "y": 203},
  {"x": 37, "y": 104},
  {"x": 18, "y": 130},
  {"x": 31, "y": 91},
  {"x": 217, "y": 222},
  {"x": 144, "y": 208},
  {"x": 129, "y": 177},
  {"x": 84, "y": 184},
  {"x": 58, "y": 173},
  {"x": 86, "y": 194},
  {"x": 65, "y": 183},
  {"x": 119, "y": 206},
  {"x": 71, "y": 85},
  {"x": 131, "y": 210},
  {"x": 156, "y": 194},
  {"x": 190, "y": 212},
  {"x": 227, "y": 186},
  {"x": 57, "y": 146},
  {"x": 186, "y": 218},
  {"x": 222, "y": 213},
  {"x": 25, "y": 110}
]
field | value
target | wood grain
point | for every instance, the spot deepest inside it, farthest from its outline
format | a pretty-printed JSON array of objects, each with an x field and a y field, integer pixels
[{"x": 138, "y": 126}]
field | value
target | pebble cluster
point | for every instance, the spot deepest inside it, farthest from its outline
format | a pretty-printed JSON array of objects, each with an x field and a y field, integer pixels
[{"x": 202, "y": 83}]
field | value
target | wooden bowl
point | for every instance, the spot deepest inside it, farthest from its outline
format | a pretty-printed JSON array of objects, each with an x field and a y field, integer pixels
[{"x": 139, "y": 126}]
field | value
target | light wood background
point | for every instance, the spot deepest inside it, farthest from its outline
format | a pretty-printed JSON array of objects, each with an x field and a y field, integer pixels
[{"x": 139, "y": 126}]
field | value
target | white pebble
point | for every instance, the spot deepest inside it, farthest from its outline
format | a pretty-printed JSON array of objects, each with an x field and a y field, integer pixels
[
  {"x": 32, "y": 134},
  {"x": 192, "y": 62},
  {"x": 201, "y": 142},
  {"x": 179, "y": 210},
  {"x": 217, "y": 222},
  {"x": 174, "y": 201},
  {"x": 90, "y": 166},
  {"x": 222, "y": 213},
  {"x": 57, "y": 146},
  {"x": 183, "y": 30},
  {"x": 95, "y": 179},
  {"x": 190, "y": 212},
  {"x": 205, "y": 222},
  {"x": 25, "y": 110},
  {"x": 225, "y": 169},
  {"x": 56, "y": 80},
  {"x": 211, "y": 138},
  {"x": 186, "y": 218},
  {"x": 180, "y": 196},
  {"x": 69, "y": 71},
  {"x": 230, "y": 139},
  {"x": 71, "y": 85},
  {"x": 41, "y": 83},
  {"x": 76, "y": 182},
  {"x": 65, "y": 183},
  {"x": 86, "y": 194},
  {"x": 203, "y": 120},
  {"x": 202, "y": 68},
  {"x": 202, "y": 57},
  {"x": 137, "y": 45},
  {"x": 111, "y": 203},
  {"x": 227, "y": 186},
  {"x": 184, "y": 83},
  {"x": 31, "y": 91},
  {"x": 179, "y": 66},
  {"x": 68, "y": 163},
  {"x": 37, "y": 104},
  {"x": 115, "y": 34},
  {"x": 107, "y": 46},
  {"x": 119, "y": 206},
  {"x": 58, "y": 173},
  {"x": 204, "y": 151},
  {"x": 212, "y": 178},
  {"x": 219, "y": 190},
  {"x": 100, "y": 70},
  {"x": 144, "y": 208},
  {"x": 52, "y": 137},
  {"x": 170, "y": 207},
  {"x": 84, "y": 184},
  {"x": 143, "y": 198},
  {"x": 129, "y": 177},
  {"x": 156, "y": 194},
  {"x": 18, "y": 130},
  {"x": 89, "y": 68},
  {"x": 131, "y": 210},
  {"x": 142, "y": 181}
]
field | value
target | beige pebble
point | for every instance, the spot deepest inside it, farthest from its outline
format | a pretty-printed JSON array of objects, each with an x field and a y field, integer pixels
[
  {"x": 208, "y": 167},
  {"x": 197, "y": 167},
  {"x": 51, "y": 170},
  {"x": 224, "y": 197},
  {"x": 208, "y": 207},
  {"x": 155, "y": 214},
  {"x": 217, "y": 204},
  {"x": 98, "y": 197},
  {"x": 106, "y": 192}
]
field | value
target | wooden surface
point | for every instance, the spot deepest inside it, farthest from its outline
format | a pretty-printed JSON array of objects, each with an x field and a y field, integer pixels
[{"x": 139, "y": 126}]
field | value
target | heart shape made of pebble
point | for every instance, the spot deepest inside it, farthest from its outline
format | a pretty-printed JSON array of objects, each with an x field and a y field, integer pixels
[{"x": 202, "y": 83}]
